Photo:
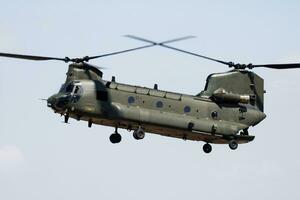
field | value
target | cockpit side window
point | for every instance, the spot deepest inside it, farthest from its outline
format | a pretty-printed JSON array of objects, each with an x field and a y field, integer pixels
[
  {"x": 62, "y": 88},
  {"x": 76, "y": 89}
]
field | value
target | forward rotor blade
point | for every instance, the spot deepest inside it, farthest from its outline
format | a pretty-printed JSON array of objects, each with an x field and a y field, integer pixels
[
  {"x": 198, "y": 55},
  {"x": 119, "y": 52},
  {"x": 279, "y": 66},
  {"x": 76, "y": 60},
  {"x": 31, "y": 57}
]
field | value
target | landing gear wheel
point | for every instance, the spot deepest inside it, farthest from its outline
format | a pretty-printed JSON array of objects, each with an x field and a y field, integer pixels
[
  {"x": 139, "y": 134},
  {"x": 115, "y": 138},
  {"x": 233, "y": 145},
  {"x": 207, "y": 148}
]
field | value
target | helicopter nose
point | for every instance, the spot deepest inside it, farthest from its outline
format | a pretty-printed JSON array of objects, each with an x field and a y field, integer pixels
[
  {"x": 51, "y": 101},
  {"x": 58, "y": 102}
]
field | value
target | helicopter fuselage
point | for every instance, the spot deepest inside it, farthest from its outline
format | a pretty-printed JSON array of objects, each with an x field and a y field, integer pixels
[{"x": 166, "y": 113}]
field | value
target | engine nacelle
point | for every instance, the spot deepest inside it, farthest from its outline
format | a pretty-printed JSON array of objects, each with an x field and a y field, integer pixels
[{"x": 222, "y": 96}]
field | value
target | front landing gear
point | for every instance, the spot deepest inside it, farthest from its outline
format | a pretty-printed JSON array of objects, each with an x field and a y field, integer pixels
[
  {"x": 115, "y": 137},
  {"x": 233, "y": 145},
  {"x": 207, "y": 148}
]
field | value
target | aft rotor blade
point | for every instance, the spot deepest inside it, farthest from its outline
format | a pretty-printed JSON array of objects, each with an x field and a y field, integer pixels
[
  {"x": 198, "y": 55},
  {"x": 177, "y": 39},
  {"x": 141, "y": 39},
  {"x": 230, "y": 64},
  {"x": 279, "y": 66},
  {"x": 31, "y": 57},
  {"x": 119, "y": 52},
  {"x": 156, "y": 43}
]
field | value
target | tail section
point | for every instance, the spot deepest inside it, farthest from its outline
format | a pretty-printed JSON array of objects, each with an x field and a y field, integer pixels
[{"x": 236, "y": 86}]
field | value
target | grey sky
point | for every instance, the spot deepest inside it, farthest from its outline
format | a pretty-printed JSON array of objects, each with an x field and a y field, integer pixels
[{"x": 42, "y": 158}]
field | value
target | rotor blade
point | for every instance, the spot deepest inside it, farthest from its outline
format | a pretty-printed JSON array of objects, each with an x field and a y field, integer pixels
[
  {"x": 279, "y": 66},
  {"x": 31, "y": 57},
  {"x": 156, "y": 43},
  {"x": 198, "y": 55},
  {"x": 119, "y": 52},
  {"x": 177, "y": 39},
  {"x": 141, "y": 39}
]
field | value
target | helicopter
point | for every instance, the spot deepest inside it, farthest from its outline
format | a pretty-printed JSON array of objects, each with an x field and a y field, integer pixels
[{"x": 222, "y": 113}]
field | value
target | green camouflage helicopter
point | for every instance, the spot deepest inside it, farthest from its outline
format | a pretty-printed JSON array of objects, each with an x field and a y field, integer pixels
[{"x": 222, "y": 113}]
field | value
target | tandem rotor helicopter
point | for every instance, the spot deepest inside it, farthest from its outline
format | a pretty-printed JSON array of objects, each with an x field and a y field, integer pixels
[{"x": 222, "y": 113}]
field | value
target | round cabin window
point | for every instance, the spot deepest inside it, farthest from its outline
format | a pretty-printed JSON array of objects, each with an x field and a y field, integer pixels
[
  {"x": 187, "y": 109},
  {"x": 214, "y": 114},
  {"x": 159, "y": 104},
  {"x": 131, "y": 100}
]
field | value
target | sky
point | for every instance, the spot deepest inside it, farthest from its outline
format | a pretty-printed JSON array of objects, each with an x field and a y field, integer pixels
[{"x": 43, "y": 158}]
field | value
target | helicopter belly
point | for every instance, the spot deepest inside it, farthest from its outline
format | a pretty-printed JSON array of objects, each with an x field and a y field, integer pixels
[
  {"x": 178, "y": 121},
  {"x": 175, "y": 130}
]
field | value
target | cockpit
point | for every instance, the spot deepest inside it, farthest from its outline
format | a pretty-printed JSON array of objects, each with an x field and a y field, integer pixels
[
  {"x": 68, "y": 93},
  {"x": 73, "y": 88}
]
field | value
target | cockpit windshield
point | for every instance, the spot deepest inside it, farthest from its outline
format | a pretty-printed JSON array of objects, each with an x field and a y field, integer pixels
[
  {"x": 66, "y": 88},
  {"x": 62, "y": 88},
  {"x": 70, "y": 88}
]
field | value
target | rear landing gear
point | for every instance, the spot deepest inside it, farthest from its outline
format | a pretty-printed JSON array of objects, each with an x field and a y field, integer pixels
[
  {"x": 139, "y": 134},
  {"x": 207, "y": 148},
  {"x": 115, "y": 137},
  {"x": 233, "y": 145}
]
